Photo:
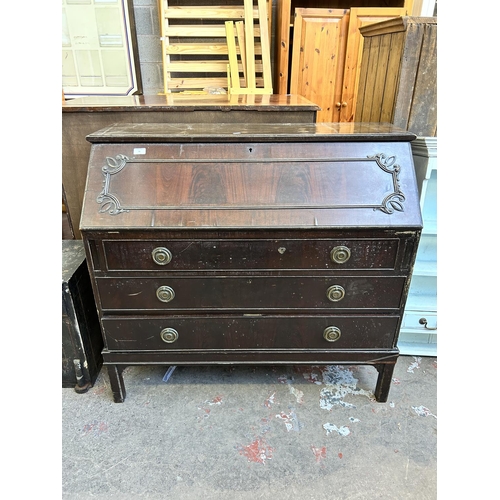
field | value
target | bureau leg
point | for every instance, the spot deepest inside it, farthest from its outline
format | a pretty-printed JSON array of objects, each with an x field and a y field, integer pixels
[
  {"x": 116, "y": 381},
  {"x": 385, "y": 371}
]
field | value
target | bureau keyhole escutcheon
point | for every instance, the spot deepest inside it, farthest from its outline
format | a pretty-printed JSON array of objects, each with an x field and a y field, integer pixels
[
  {"x": 335, "y": 293},
  {"x": 161, "y": 255},
  {"x": 169, "y": 335},
  {"x": 165, "y": 293},
  {"x": 331, "y": 333},
  {"x": 340, "y": 254}
]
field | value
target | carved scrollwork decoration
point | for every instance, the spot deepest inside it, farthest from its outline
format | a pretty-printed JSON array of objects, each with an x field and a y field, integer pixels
[
  {"x": 109, "y": 202},
  {"x": 394, "y": 201}
]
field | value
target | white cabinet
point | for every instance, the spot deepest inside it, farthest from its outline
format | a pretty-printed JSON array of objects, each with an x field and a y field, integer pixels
[{"x": 418, "y": 334}]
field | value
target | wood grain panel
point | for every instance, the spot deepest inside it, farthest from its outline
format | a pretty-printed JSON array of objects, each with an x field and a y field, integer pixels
[
  {"x": 317, "y": 57},
  {"x": 239, "y": 332}
]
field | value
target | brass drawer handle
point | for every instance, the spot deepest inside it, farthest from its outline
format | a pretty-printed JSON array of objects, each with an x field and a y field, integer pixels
[
  {"x": 331, "y": 333},
  {"x": 165, "y": 293},
  {"x": 340, "y": 254},
  {"x": 161, "y": 255},
  {"x": 335, "y": 293},
  {"x": 423, "y": 321},
  {"x": 169, "y": 335}
]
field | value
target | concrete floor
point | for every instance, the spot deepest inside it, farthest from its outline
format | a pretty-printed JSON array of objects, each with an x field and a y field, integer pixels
[{"x": 253, "y": 432}]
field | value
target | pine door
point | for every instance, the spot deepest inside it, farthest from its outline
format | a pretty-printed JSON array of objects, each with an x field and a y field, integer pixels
[
  {"x": 319, "y": 41},
  {"x": 326, "y": 57}
]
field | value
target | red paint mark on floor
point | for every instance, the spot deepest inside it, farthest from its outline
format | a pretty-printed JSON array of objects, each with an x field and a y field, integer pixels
[
  {"x": 319, "y": 453},
  {"x": 216, "y": 401},
  {"x": 95, "y": 427},
  {"x": 257, "y": 451},
  {"x": 396, "y": 381},
  {"x": 340, "y": 455}
]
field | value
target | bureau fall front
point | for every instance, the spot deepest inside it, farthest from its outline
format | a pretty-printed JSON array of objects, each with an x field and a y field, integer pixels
[{"x": 251, "y": 244}]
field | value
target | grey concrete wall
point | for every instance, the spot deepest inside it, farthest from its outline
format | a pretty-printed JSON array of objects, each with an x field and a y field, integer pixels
[{"x": 147, "y": 26}]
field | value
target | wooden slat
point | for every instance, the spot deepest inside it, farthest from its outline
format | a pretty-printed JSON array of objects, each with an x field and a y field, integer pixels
[
  {"x": 249, "y": 44},
  {"x": 414, "y": 37},
  {"x": 264, "y": 42},
  {"x": 197, "y": 83},
  {"x": 282, "y": 46},
  {"x": 379, "y": 86},
  {"x": 225, "y": 12},
  {"x": 396, "y": 42},
  {"x": 234, "y": 75},
  {"x": 205, "y": 66},
  {"x": 240, "y": 30},
  {"x": 204, "y": 49},
  {"x": 201, "y": 31}
]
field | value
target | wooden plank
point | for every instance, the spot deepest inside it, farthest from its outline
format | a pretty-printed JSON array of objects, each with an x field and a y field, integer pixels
[
  {"x": 396, "y": 41},
  {"x": 249, "y": 44},
  {"x": 423, "y": 114},
  {"x": 240, "y": 30},
  {"x": 164, "y": 26},
  {"x": 369, "y": 82},
  {"x": 380, "y": 76},
  {"x": 204, "y": 66},
  {"x": 197, "y": 83},
  {"x": 201, "y": 31},
  {"x": 234, "y": 76},
  {"x": 362, "y": 96},
  {"x": 205, "y": 49},
  {"x": 224, "y": 12},
  {"x": 282, "y": 46},
  {"x": 411, "y": 56},
  {"x": 265, "y": 46}
]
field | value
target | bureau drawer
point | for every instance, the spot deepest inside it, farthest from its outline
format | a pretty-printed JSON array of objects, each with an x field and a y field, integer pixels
[
  {"x": 253, "y": 292},
  {"x": 198, "y": 255},
  {"x": 245, "y": 332}
]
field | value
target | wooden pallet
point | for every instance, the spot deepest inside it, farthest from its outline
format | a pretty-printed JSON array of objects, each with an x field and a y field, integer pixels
[{"x": 194, "y": 46}]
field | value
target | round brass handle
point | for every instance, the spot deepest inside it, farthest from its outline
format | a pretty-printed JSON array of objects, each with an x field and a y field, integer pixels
[
  {"x": 340, "y": 254},
  {"x": 331, "y": 333},
  {"x": 169, "y": 335},
  {"x": 161, "y": 255},
  {"x": 335, "y": 293},
  {"x": 165, "y": 293},
  {"x": 341, "y": 104}
]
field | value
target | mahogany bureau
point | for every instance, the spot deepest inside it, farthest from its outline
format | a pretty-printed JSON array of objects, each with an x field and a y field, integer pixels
[{"x": 256, "y": 244}]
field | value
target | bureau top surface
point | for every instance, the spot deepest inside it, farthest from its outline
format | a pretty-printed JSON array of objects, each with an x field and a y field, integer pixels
[
  {"x": 249, "y": 132},
  {"x": 186, "y": 102},
  {"x": 164, "y": 176}
]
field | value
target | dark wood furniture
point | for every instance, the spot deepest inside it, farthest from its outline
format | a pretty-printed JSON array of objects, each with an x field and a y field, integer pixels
[
  {"x": 85, "y": 115},
  {"x": 82, "y": 341},
  {"x": 251, "y": 244}
]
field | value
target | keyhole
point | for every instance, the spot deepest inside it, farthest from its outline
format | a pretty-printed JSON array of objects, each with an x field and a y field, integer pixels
[{"x": 250, "y": 150}]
